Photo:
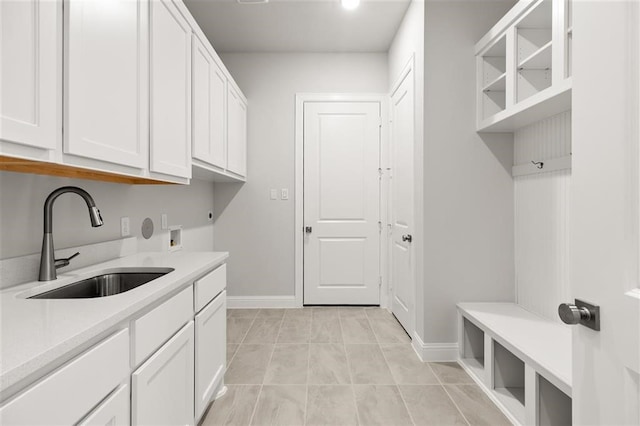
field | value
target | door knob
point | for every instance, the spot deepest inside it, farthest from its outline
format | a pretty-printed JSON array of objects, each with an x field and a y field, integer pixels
[
  {"x": 581, "y": 313},
  {"x": 308, "y": 229},
  {"x": 408, "y": 238}
]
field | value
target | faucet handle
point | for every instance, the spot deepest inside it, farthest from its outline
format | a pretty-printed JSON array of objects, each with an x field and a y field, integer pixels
[{"x": 61, "y": 263}]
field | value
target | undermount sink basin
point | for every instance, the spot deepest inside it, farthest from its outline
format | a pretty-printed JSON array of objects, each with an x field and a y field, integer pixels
[{"x": 107, "y": 284}]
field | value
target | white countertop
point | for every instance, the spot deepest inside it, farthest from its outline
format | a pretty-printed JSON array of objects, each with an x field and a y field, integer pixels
[{"x": 37, "y": 332}]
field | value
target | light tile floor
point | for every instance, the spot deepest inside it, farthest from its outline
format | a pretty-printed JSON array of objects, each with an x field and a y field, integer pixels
[{"x": 338, "y": 366}]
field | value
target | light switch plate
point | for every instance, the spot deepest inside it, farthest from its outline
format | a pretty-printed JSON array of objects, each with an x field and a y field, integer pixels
[
  {"x": 164, "y": 221},
  {"x": 274, "y": 194},
  {"x": 284, "y": 194},
  {"x": 125, "y": 228}
]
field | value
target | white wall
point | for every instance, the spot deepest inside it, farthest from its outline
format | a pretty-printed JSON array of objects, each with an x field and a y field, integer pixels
[
  {"x": 468, "y": 198},
  {"x": 409, "y": 42},
  {"x": 22, "y": 199},
  {"x": 542, "y": 218},
  {"x": 257, "y": 231}
]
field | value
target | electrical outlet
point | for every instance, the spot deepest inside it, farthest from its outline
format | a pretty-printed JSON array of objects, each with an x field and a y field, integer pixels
[
  {"x": 125, "y": 229},
  {"x": 164, "y": 221},
  {"x": 274, "y": 194},
  {"x": 284, "y": 194}
]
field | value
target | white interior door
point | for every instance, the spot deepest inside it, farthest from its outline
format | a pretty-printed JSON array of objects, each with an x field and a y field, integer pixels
[
  {"x": 605, "y": 214},
  {"x": 342, "y": 203},
  {"x": 402, "y": 254}
]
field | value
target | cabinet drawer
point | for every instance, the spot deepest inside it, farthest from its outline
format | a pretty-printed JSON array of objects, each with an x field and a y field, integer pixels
[
  {"x": 113, "y": 411},
  {"x": 156, "y": 327},
  {"x": 69, "y": 393},
  {"x": 210, "y": 286}
]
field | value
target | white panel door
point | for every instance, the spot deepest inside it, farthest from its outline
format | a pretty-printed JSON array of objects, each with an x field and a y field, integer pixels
[
  {"x": 342, "y": 203},
  {"x": 106, "y": 81},
  {"x": 211, "y": 339},
  {"x": 402, "y": 280},
  {"x": 605, "y": 219},
  {"x": 162, "y": 388},
  {"x": 209, "y": 108},
  {"x": 30, "y": 72},
  {"x": 170, "y": 90},
  {"x": 237, "y": 130}
]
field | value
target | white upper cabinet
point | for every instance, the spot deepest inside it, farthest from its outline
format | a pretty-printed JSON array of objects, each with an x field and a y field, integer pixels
[
  {"x": 30, "y": 74},
  {"x": 106, "y": 81},
  {"x": 237, "y": 133},
  {"x": 209, "y": 108},
  {"x": 170, "y": 90},
  {"x": 524, "y": 66}
]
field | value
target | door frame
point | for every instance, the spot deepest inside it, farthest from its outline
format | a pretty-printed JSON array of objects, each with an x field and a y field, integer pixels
[{"x": 301, "y": 98}]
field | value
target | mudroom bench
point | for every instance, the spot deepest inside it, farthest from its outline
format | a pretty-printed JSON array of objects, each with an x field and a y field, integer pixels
[{"x": 521, "y": 360}]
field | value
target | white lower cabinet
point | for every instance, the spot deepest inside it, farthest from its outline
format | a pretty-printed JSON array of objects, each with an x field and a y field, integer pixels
[
  {"x": 113, "y": 411},
  {"x": 211, "y": 331},
  {"x": 184, "y": 364},
  {"x": 70, "y": 392},
  {"x": 163, "y": 387}
]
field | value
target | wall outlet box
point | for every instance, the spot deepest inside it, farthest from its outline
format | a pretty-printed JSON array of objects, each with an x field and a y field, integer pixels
[
  {"x": 125, "y": 228},
  {"x": 175, "y": 238}
]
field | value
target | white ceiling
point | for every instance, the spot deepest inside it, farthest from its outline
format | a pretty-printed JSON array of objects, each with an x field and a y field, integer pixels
[{"x": 299, "y": 25}]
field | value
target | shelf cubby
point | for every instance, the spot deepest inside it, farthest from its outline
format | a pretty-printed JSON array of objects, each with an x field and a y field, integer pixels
[
  {"x": 554, "y": 406},
  {"x": 534, "y": 43},
  {"x": 473, "y": 346},
  {"x": 508, "y": 380},
  {"x": 493, "y": 65}
]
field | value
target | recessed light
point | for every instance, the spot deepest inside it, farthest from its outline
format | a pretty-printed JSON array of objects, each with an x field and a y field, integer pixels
[
  {"x": 350, "y": 4},
  {"x": 253, "y": 1}
]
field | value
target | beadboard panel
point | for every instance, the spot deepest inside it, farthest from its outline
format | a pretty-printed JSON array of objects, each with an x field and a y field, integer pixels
[{"x": 542, "y": 218}]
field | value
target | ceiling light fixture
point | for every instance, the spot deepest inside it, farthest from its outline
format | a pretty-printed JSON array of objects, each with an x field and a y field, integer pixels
[
  {"x": 350, "y": 4},
  {"x": 253, "y": 1}
]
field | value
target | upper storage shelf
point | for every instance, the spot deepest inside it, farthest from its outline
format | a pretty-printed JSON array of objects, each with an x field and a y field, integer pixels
[{"x": 523, "y": 66}]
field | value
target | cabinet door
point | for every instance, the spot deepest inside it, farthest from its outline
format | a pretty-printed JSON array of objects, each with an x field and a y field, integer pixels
[
  {"x": 209, "y": 108},
  {"x": 106, "y": 81},
  {"x": 113, "y": 411},
  {"x": 162, "y": 388},
  {"x": 211, "y": 338},
  {"x": 170, "y": 90},
  {"x": 31, "y": 72},
  {"x": 237, "y": 128}
]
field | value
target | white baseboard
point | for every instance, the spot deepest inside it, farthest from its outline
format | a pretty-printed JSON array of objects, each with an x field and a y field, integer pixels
[
  {"x": 262, "y": 302},
  {"x": 434, "y": 352}
]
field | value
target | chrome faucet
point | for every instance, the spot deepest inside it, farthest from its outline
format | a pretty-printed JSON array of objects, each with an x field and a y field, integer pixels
[{"x": 48, "y": 262}]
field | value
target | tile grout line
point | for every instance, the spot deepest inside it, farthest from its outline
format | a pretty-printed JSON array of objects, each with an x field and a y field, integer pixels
[
  {"x": 406, "y": 407},
  {"x": 255, "y": 407},
  {"x": 306, "y": 401},
  {"x": 346, "y": 356},
  {"x": 253, "y": 320},
  {"x": 448, "y": 394}
]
